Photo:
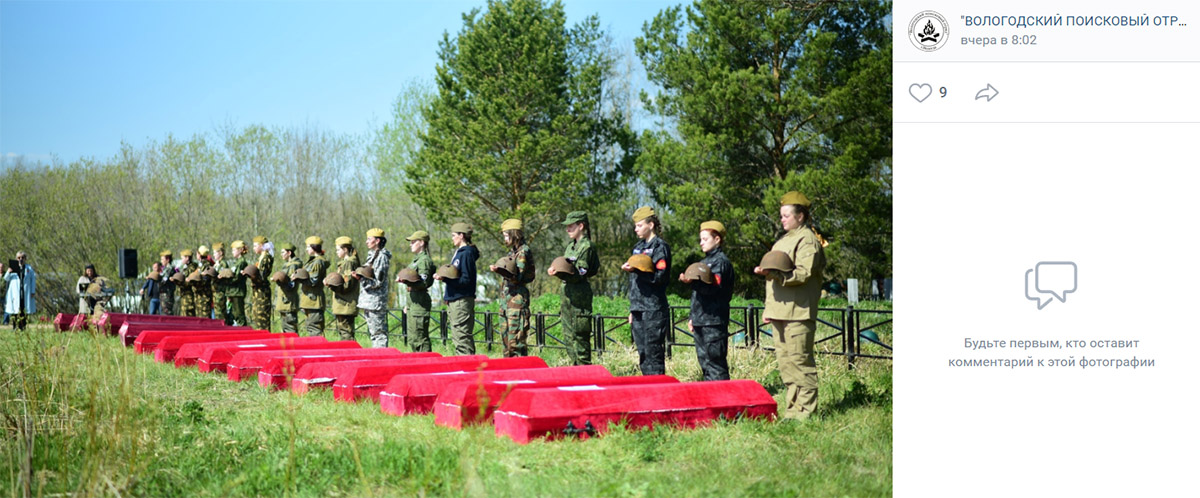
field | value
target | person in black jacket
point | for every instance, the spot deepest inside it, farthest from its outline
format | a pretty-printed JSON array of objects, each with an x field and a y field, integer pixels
[
  {"x": 151, "y": 288},
  {"x": 460, "y": 292},
  {"x": 648, "y": 312},
  {"x": 712, "y": 288}
]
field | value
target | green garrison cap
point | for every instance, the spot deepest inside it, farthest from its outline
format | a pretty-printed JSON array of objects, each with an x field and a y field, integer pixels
[{"x": 576, "y": 217}]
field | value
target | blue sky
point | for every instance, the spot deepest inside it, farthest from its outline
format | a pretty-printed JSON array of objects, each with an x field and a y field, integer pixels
[{"x": 77, "y": 78}]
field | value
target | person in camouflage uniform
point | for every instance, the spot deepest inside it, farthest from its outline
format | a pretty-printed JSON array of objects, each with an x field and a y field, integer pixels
[
  {"x": 576, "y": 304},
  {"x": 419, "y": 303},
  {"x": 187, "y": 290},
  {"x": 514, "y": 328},
  {"x": 287, "y": 302},
  {"x": 166, "y": 287},
  {"x": 220, "y": 285},
  {"x": 345, "y": 296},
  {"x": 260, "y": 287},
  {"x": 236, "y": 288},
  {"x": 204, "y": 288},
  {"x": 312, "y": 289},
  {"x": 373, "y": 298}
]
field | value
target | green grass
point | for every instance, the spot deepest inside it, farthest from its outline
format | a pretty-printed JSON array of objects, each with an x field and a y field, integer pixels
[{"x": 85, "y": 416}]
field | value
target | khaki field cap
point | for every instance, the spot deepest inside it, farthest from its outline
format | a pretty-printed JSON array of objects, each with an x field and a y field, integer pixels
[
  {"x": 794, "y": 197},
  {"x": 334, "y": 279},
  {"x": 715, "y": 226},
  {"x": 343, "y": 241},
  {"x": 177, "y": 277},
  {"x": 237, "y": 244},
  {"x": 642, "y": 213},
  {"x": 408, "y": 275},
  {"x": 506, "y": 267},
  {"x": 251, "y": 271},
  {"x": 375, "y": 232},
  {"x": 279, "y": 277},
  {"x": 418, "y": 235},
  {"x": 510, "y": 224},
  {"x": 288, "y": 246},
  {"x": 219, "y": 246},
  {"x": 699, "y": 271},
  {"x": 186, "y": 253},
  {"x": 259, "y": 240},
  {"x": 777, "y": 260},
  {"x": 312, "y": 241},
  {"x": 209, "y": 272},
  {"x": 448, "y": 271},
  {"x": 300, "y": 274},
  {"x": 202, "y": 250},
  {"x": 641, "y": 262},
  {"x": 225, "y": 273},
  {"x": 575, "y": 217},
  {"x": 562, "y": 267},
  {"x": 365, "y": 271},
  {"x": 460, "y": 228},
  {"x": 165, "y": 253}
]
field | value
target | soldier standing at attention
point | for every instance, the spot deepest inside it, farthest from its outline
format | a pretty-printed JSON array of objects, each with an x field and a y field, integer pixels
[
  {"x": 711, "y": 293},
  {"x": 221, "y": 284},
  {"x": 166, "y": 289},
  {"x": 515, "y": 327},
  {"x": 460, "y": 292},
  {"x": 345, "y": 296},
  {"x": 288, "y": 299},
  {"x": 260, "y": 287},
  {"x": 236, "y": 292},
  {"x": 187, "y": 288},
  {"x": 312, "y": 287},
  {"x": 791, "y": 305},
  {"x": 204, "y": 286},
  {"x": 648, "y": 311},
  {"x": 419, "y": 303},
  {"x": 576, "y": 304},
  {"x": 374, "y": 296}
]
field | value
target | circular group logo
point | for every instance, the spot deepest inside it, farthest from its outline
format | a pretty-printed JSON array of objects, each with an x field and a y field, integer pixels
[{"x": 928, "y": 31}]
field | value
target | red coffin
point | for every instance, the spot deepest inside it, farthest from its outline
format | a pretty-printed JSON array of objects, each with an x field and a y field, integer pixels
[
  {"x": 276, "y": 371},
  {"x": 556, "y": 412},
  {"x": 168, "y": 347},
  {"x": 189, "y": 354},
  {"x": 367, "y": 381},
  {"x": 240, "y": 364},
  {"x": 129, "y": 331},
  {"x": 149, "y": 338},
  {"x": 62, "y": 322},
  {"x": 474, "y": 402},
  {"x": 111, "y": 322},
  {"x": 413, "y": 394},
  {"x": 78, "y": 323},
  {"x": 316, "y": 375}
]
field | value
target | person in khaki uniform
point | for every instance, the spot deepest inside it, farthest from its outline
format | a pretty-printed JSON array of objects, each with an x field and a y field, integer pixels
[
  {"x": 345, "y": 296},
  {"x": 312, "y": 289},
  {"x": 576, "y": 303},
  {"x": 460, "y": 292},
  {"x": 287, "y": 301},
  {"x": 203, "y": 288},
  {"x": 220, "y": 285},
  {"x": 260, "y": 287},
  {"x": 791, "y": 305},
  {"x": 187, "y": 289},
  {"x": 419, "y": 303}
]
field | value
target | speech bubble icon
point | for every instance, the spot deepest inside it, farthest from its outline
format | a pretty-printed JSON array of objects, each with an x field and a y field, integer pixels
[
  {"x": 1056, "y": 278},
  {"x": 1031, "y": 283}
]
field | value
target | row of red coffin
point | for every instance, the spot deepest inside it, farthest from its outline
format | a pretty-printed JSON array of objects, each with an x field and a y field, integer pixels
[{"x": 523, "y": 397}]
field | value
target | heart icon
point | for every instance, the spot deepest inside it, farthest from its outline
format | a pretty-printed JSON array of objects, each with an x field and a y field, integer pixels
[{"x": 920, "y": 92}]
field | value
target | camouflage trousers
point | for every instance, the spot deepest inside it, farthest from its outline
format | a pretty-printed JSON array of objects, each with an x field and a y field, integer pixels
[
  {"x": 288, "y": 321},
  {"x": 577, "y": 331},
  {"x": 260, "y": 308},
  {"x": 167, "y": 299},
  {"x": 797, "y": 365},
  {"x": 221, "y": 308},
  {"x": 462, "y": 325},
  {"x": 314, "y": 323},
  {"x": 345, "y": 326},
  {"x": 203, "y": 305},
  {"x": 377, "y": 327},
  {"x": 187, "y": 303},
  {"x": 712, "y": 350},
  {"x": 237, "y": 310},
  {"x": 514, "y": 328}
]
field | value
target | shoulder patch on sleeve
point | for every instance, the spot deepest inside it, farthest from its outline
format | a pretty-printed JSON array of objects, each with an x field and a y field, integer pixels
[{"x": 661, "y": 265}]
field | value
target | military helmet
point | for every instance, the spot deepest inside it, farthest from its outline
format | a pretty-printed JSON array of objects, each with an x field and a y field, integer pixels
[
  {"x": 251, "y": 270},
  {"x": 194, "y": 276},
  {"x": 641, "y": 262},
  {"x": 178, "y": 277},
  {"x": 408, "y": 275},
  {"x": 334, "y": 279},
  {"x": 225, "y": 273},
  {"x": 699, "y": 271},
  {"x": 279, "y": 277},
  {"x": 448, "y": 271},
  {"x": 777, "y": 260},
  {"x": 562, "y": 267},
  {"x": 506, "y": 267},
  {"x": 365, "y": 271},
  {"x": 209, "y": 272},
  {"x": 153, "y": 275},
  {"x": 300, "y": 274}
]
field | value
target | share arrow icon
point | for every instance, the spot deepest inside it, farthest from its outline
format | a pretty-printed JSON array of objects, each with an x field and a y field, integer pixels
[{"x": 987, "y": 93}]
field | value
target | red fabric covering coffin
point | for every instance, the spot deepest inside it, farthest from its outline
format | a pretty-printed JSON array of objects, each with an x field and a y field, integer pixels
[
  {"x": 473, "y": 402},
  {"x": 535, "y": 412},
  {"x": 62, "y": 322},
  {"x": 244, "y": 363},
  {"x": 317, "y": 375},
  {"x": 167, "y": 348},
  {"x": 189, "y": 354},
  {"x": 130, "y": 331},
  {"x": 368, "y": 381},
  {"x": 110, "y": 323},
  {"x": 276, "y": 373},
  {"x": 149, "y": 338},
  {"x": 415, "y": 393}
]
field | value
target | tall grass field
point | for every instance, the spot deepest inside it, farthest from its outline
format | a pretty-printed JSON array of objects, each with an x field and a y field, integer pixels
[{"x": 84, "y": 416}]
